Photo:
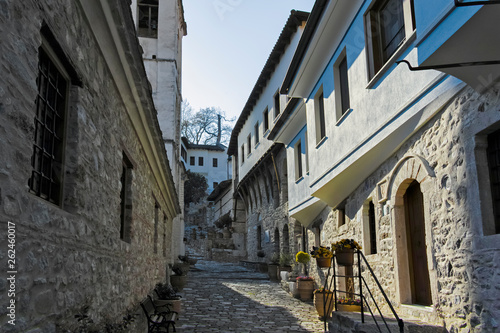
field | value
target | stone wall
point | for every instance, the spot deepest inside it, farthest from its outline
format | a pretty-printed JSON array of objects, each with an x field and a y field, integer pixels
[
  {"x": 463, "y": 259},
  {"x": 71, "y": 256}
]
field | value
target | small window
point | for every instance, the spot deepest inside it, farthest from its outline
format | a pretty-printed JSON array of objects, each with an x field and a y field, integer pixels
[
  {"x": 156, "y": 217},
  {"x": 341, "y": 215},
  {"x": 249, "y": 143},
  {"x": 388, "y": 23},
  {"x": 307, "y": 153},
  {"x": 298, "y": 160},
  {"x": 320, "y": 117},
  {"x": 191, "y": 160},
  {"x": 242, "y": 154},
  {"x": 256, "y": 133},
  {"x": 126, "y": 199},
  {"x": 200, "y": 161},
  {"x": 183, "y": 153},
  {"x": 215, "y": 163},
  {"x": 259, "y": 237},
  {"x": 341, "y": 86},
  {"x": 164, "y": 235},
  {"x": 265, "y": 117},
  {"x": 277, "y": 107},
  {"x": 369, "y": 228},
  {"x": 148, "y": 18},
  {"x": 48, "y": 145}
]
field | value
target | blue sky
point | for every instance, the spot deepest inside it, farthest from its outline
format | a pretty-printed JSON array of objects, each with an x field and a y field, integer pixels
[{"x": 226, "y": 47}]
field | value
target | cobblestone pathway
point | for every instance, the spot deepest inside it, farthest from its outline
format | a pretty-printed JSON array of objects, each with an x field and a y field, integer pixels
[{"x": 228, "y": 298}]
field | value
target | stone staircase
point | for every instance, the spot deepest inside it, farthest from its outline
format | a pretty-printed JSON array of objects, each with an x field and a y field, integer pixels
[{"x": 350, "y": 322}]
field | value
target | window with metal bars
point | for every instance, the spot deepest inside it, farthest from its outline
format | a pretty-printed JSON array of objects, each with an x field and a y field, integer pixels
[
  {"x": 48, "y": 146},
  {"x": 493, "y": 152}
]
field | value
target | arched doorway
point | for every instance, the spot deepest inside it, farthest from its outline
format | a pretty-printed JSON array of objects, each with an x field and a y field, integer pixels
[
  {"x": 286, "y": 239},
  {"x": 418, "y": 271},
  {"x": 277, "y": 240}
]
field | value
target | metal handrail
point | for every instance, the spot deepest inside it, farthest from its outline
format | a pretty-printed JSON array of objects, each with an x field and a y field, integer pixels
[{"x": 362, "y": 297}]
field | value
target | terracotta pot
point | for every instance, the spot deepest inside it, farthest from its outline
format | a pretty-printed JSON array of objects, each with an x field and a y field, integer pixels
[
  {"x": 306, "y": 289},
  {"x": 323, "y": 262},
  {"x": 324, "y": 303},
  {"x": 178, "y": 282},
  {"x": 345, "y": 257},
  {"x": 348, "y": 308}
]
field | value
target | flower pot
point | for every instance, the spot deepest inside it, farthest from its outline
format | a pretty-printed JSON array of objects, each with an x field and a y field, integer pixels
[
  {"x": 178, "y": 282},
  {"x": 348, "y": 308},
  {"x": 294, "y": 290},
  {"x": 345, "y": 257},
  {"x": 306, "y": 289},
  {"x": 323, "y": 262},
  {"x": 272, "y": 270},
  {"x": 324, "y": 303}
]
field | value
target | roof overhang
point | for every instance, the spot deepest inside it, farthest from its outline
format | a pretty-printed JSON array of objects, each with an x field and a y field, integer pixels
[
  {"x": 475, "y": 41},
  {"x": 307, "y": 212}
]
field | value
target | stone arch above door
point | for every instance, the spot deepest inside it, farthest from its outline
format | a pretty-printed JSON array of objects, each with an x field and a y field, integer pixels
[{"x": 409, "y": 167}]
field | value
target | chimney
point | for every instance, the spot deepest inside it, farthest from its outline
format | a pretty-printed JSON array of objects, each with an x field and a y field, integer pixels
[{"x": 219, "y": 129}]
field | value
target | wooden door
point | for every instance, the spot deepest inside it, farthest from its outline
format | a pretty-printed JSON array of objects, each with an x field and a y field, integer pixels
[{"x": 417, "y": 253}]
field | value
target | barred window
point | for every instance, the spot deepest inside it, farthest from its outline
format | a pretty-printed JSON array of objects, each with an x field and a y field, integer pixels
[{"x": 47, "y": 158}]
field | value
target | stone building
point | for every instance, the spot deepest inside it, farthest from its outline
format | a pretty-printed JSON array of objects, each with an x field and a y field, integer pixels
[
  {"x": 403, "y": 159},
  {"x": 259, "y": 165},
  {"x": 160, "y": 27},
  {"x": 87, "y": 197}
]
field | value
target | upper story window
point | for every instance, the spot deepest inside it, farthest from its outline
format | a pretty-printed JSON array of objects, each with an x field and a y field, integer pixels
[
  {"x": 183, "y": 153},
  {"x": 388, "y": 23},
  {"x": 242, "y": 154},
  {"x": 147, "y": 11},
  {"x": 265, "y": 117},
  {"x": 277, "y": 107},
  {"x": 298, "y": 160},
  {"x": 249, "y": 143},
  {"x": 48, "y": 145},
  {"x": 200, "y": 161},
  {"x": 215, "y": 163},
  {"x": 256, "y": 133},
  {"x": 341, "y": 86},
  {"x": 191, "y": 160},
  {"x": 319, "y": 106}
]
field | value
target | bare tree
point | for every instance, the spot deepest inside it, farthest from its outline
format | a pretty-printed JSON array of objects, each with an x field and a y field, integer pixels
[{"x": 202, "y": 127}]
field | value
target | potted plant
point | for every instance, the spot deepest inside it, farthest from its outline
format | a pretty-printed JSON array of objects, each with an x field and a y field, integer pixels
[
  {"x": 285, "y": 264},
  {"x": 344, "y": 251},
  {"x": 323, "y": 256},
  {"x": 349, "y": 305},
  {"x": 179, "y": 279},
  {"x": 272, "y": 267},
  {"x": 305, "y": 284},
  {"x": 323, "y": 301},
  {"x": 167, "y": 297}
]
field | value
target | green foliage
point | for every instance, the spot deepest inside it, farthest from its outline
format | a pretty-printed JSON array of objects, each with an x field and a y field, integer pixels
[
  {"x": 195, "y": 187},
  {"x": 285, "y": 259}
]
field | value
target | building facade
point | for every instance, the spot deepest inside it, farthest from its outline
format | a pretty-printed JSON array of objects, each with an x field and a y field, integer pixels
[
  {"x": 402, "y": 156},
  {"x": 160, "y": 27},
  {"x": 87, "y": 199},
  {"x": 260, "y": 165}
]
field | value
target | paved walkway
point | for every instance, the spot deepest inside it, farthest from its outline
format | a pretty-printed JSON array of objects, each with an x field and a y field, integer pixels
[{"x": 229, "y": 298}]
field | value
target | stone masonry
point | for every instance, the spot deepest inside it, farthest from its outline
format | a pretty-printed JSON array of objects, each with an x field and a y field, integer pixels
[
  {"x": 444, "y": 156},
  {"x": 69, "y": 256}
]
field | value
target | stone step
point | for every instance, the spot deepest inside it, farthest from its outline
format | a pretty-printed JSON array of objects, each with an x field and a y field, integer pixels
[{"x": 350, "y": 322}]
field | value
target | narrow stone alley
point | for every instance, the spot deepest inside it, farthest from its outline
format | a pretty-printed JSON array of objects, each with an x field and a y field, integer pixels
[{"x": 222, "y": 297}]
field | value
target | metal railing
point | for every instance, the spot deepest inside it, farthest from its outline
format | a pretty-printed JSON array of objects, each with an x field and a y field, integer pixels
[{"x": 362, "y": 285}]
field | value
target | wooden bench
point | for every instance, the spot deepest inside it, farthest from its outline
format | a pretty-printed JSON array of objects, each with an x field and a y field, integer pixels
[{"x": 158, "y": 320}]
